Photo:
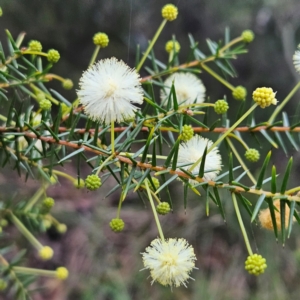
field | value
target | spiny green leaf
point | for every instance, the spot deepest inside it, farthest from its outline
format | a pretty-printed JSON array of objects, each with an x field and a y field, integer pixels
[
  {"x": 286, "y": 176},
  {"x": 174, "y": 97},
  {"x": 286, "y": 123},
  {"x": 280, "y": 141},
  {"x": 170, "y": 156},
  {"x": 175, "y": 156},
  {"x": 12, "y": 41},
  {"x": 196, "y": 121},
  {"x": 112, "y": 172},
  {"x": 246, "y": 188},
  {"x": 257, "y": 206},
  {"x": 273, "y": 181},
  {"x": 71, "y": 155},
  {"x": 169, "y": 200},
  {"x": 214, "y": 125},
  {"x": 226, "y": 173},
  {"x": 262, "y": 171},
  {"x": 202, "y": 164},
  {"x": 268, "y": 138},
  {"x": 273, "y": 218},
  {"x": 166, "y": 183},
  {"x": 230, "y": 168},
  {"x": 145, "y": 152},
  {"x": 128, "y": 183},
  {"x": 282, "y": 219},
  {"x": 219, "y": 203},
  {"x": 146, "y": 173},
  {"x": 245, "y": 202},
  {"x": 292, "y": 205}
]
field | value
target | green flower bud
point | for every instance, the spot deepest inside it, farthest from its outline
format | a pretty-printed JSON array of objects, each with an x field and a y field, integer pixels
[
  {"x": 45, "y": 104},
  {"x": 3, "y": 222},
  {"x": 80, "y": 184},
  {"x": 155, "y": 182},
  {"x": 92, "y": 182},
  {"x": 255, "y": 264},
  {"x": 239, "y": 93},
  {"x": 3, "y": 283},
  {"x": 1, "y": 12},
  {"x": 36, "y": 119},
  {"x": 53, "y": 179},
  {"x": 53, "y": 56},
  {"x": 65, "y": 108},
  {"x": 221, "y": 106},
  {"x": 40, "y": 96},
  {"x": 252, "y": 155},
  {"x": 101, "y": 39},
  {"x": 47, "y": 223},
  {"x": 163, "y": 208},
  {"x": 248, "y": 36},
  {"x": 67, "y": 84},
  {"x": 187, "y": 133},
  {"x": 172, "y": 46},
  {"x": 35, "y": 46},
  {"x": 47, "y": 204},
  {"x": 117, "y": 225},
  {"x": 61, "y": 228}
]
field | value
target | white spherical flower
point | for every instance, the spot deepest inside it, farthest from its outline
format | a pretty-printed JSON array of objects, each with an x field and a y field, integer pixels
[
  {"x": 296, "y": 60},
  {"x": 107, "y": 90},
  {"x": 188, "y": 87},
  {"x": 190, "y": 151},
  {"x": 170, "y": 262}
]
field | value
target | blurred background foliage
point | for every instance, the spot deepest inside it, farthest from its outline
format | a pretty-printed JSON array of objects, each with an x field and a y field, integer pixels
[{"x": 105, "y": 265}]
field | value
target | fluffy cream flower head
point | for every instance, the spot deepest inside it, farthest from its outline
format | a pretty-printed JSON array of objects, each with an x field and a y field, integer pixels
[
  {"x": 170, "y": 262},
  {"x": 190, "y": 151},
  {"x": 107, "y": 90},
  {"x": 188, "y": 87},
  {"x": 296, "y": 59}
]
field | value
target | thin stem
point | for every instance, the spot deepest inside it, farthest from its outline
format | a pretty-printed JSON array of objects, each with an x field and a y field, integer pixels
[
  {"x": 231, "y": 43},
  {"x": 128, "y": 154},
  {"x": 240, "y": 160},
  {"x": 240, "y": 220},
  {"x": 193, "y": 63},
  {"x": 238, "y": 139},
  {"x": 94, "y": 56},
  {"x": 12, "y": 272},
  {"x": 32, "y": 271},
  {"x": 62, "y": 174},
  {"x": 103, "y": 164},
  {"x": 54, "y": 76},
  {"x": 212, "y": 73},
  {"x": 119, "y": 207},
  {"x": 26, "y": 232},
  {"x": 283, "y": 103},
  {"x": 36, "y": 197},
  {"x": 241, "y": 119},
  {"x": 49, "y": 97},
  {"x": 154, "y": 212},
  {"x": 222, "y": 137},
  {"x": 144, "y": 187},
  {"x": 34, "y": 53},
  {"x": 112, "y": 135},
  {"x": 3, "y": 118},
  {"x": 293, "y": 190},
  {"x": 158, "y": 32}
]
